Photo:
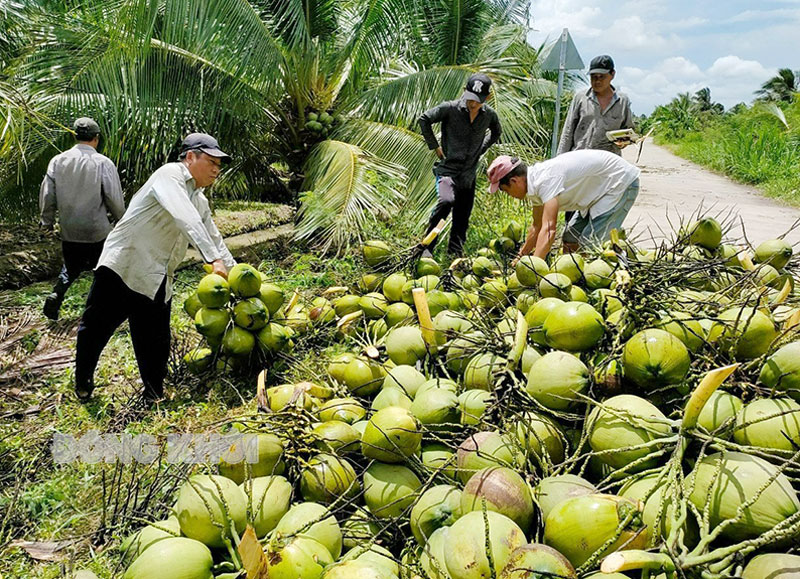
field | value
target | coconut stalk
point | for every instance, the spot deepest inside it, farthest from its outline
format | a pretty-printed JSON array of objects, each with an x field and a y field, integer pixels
[
  {"x": 520, "y": 341},
  {"x": 424, "y": 316}
]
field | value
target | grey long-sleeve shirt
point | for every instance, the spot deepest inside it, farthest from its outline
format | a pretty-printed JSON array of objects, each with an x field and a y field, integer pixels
[
  {"x": 84, "y": 187},
  {"x": 463, "y": 142},
  {"x": 587, "y": 123},
  {"x": 151, "y": 240}
]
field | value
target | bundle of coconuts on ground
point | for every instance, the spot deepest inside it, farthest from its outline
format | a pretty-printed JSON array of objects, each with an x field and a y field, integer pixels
[{"x": 619, "y": 413}]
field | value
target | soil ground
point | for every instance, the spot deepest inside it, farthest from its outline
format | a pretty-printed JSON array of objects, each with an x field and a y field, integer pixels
[{"x": 673, "y": 188}]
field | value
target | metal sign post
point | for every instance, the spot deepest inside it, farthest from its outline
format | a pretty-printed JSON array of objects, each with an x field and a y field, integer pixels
[{"x": 563, "y": 56}]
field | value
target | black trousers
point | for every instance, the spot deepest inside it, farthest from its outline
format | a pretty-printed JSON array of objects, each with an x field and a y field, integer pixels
[
  {"x": 110, "y": 303},
  {"x": 78, "y": 257},
  {"x": 459, "y": 200}
]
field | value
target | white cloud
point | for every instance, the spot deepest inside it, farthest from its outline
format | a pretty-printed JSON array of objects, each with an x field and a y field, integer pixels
[
  {"x": 761, "y": 15},
  {"x": 631, "y": 33},
  {"x": 680, "y": 67},
  {"x": 734, "y": 67}
]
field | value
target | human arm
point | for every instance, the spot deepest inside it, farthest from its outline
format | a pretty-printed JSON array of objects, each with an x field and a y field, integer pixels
[
  {"x": 494, "y": 133},
  {"x": 226, "y": 261},
  {"x": 47, "y": 200},
  {"x": 547, "y": 232},
  {"x": 112, "y": 190},
  {"x": 568, "y": 132},
  {"x": 435, "y": 115}
]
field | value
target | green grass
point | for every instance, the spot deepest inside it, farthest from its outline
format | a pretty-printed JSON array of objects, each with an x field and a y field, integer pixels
[
  {"x": 42, "y": 501},
  {"x": 751, "y": 146}
]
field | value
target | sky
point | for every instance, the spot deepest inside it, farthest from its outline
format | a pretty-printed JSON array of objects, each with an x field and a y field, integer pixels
[{"x": 665, "y": 47}]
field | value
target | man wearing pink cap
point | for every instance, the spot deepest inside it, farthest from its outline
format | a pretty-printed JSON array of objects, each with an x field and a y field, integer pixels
[{"x": 599, "y": 186}]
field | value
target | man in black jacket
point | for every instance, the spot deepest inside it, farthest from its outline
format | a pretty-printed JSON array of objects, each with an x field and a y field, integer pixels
[{"x": 469, "y": 128}]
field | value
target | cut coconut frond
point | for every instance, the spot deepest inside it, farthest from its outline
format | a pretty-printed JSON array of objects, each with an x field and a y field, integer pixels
[{"x": 710, "y": 382}]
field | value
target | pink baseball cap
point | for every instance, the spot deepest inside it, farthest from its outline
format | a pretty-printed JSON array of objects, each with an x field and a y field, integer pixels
[{"x": 499, "y": 168}]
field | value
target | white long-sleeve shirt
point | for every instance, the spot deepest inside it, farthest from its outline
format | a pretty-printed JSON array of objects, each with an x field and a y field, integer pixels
[
  {"x": 151, "y": 240},
  {"x": 84, "y": 187}
]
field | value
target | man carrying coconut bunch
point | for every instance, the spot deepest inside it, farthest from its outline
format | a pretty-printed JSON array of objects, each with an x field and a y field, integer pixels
[
  {"x": 133, "y": 279},
  {"x": 469, "y": 128},
  {"x": 599, "y": 186}
]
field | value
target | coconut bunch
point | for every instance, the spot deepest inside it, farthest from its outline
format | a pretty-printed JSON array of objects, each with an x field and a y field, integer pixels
[{"x": 617, "y": 410}]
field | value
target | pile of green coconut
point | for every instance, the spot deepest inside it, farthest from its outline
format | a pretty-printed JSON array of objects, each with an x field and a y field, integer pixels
[{"x": 623, "y": 412}]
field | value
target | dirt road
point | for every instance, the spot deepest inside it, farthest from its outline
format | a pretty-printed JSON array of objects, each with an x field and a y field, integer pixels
[{"x": 674, "y": 188}]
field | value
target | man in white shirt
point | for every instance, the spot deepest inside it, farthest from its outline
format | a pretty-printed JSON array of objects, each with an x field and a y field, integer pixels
[
  {"x": 134, "y": 276},
  {"x": 599, "y": 186},
  {"x": 83, "y": 187}
]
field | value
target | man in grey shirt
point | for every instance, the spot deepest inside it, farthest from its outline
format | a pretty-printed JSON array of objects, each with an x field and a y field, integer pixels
[
  {"x": 83, "y": 187},
  {"x": 594, "y": 111}
]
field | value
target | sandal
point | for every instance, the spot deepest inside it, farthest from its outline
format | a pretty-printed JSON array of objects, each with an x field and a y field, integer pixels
[{"x": 84, "y": 394}]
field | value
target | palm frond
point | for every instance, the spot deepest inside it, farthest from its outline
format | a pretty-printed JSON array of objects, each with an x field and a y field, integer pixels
[{"x": 343, "y": 193}]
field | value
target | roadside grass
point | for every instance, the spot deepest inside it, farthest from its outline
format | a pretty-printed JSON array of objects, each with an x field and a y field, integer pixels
[
  {"x": 44, "y": 501},
  {"x": 752, "y": 146}
]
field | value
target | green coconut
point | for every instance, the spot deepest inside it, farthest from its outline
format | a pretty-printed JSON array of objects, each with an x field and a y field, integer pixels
[
  {"x": 621, "y": 426},
  {"x": 439, "y": 506},
  {"x": 684, "y": 327},
  {"x": 375, "y": 556},
  {"x": 598, "y": 274},
  {"x": 436, "y": 409},
  {"x": 392, "y": 435},
  {"x": 466, "y": 543},
  {"x": 718, "y": 410},
  {"x": 301, "y": 557},
  {"x": 775, "y": 252},
  {"x": 389, "y": 489},
  {"x": 772, "y": 566},
  {"x": 346, "y": 304},
  {"x": 213, "y": 291},
  {"x": 492, "y": 294},
  {"x": 748, "y": 331},
  {"x": 268, "y": 500},
  {"x": 198, "y": 360},
  {"x": 405, "y": 377},
  {"x": 540, "y": 438},
  {"x": 473, "y": 404},
  {"x": 606, "y": 301},
  {"x": 391, "y": 396},
  {"x": 436, "y": 384},
  {"x": 136, "y": 544},
  {"x": 274, "y": 338},
  {"x": 192, "y": 305},
  {"x": 461, "y": 350},
  {"x": 571, "y": 265},
  {"x": 483, "y": 266},
  {"x": 484, "y": 449},
  {"x": 449, "y": 324},
  {"x": 347, "y": 410},
  {"x": 706, "y": 232},
  {"x": 437, "y": 457},
  {"x": 501, "y": 490},
  {"x": 336, "y": 436},
  {"x": 369, "y": 282},
  {"x": 482, "y": 370},
  {"x": 211, "y": 322},
  {"x": 321, "y": 311},
  {"x": 529, "y": 356},
  {"x": 357, "y": 569},
  {"x": 234, "y": 463},
  {"x": 375, "y": 252},
  {"x": 373, "y": 305},
  {"x": 244, "y": 280},
  {"x": 359, "y": 529},
  {"x": 781, "y": 371},
  {"x": 654, "y": 357},
  {"x": 405, "y": 345},
  {"x": 579, "y": 526},
  {"x": 470, "y": 282},
  {"x": 177, "y": 557},
  {"x": 272, "y": 297},
  {"x": 555, "y": 285},
  {"x": 393, "y": 287},
  {"x": 288, "y": 395},
  {"x": 328, "y": 478},
  {"x": 536, "y": 316},
  {"x": 209, "y": 507},
  {"x": 573, "y": 326},
  {"x": 502, "y": 245},
  {"x": 525, "y": 301},
  {"x": 769, "y": 423},
  {"x": 530, "y": 270},
  {"x": 314, "y": 521},
  {"x": 362, "y": 377},
  {"x": 552, "y": 490},
  {"x": 432, "y": 559},
  {"x": 250, "y": 314},
  {"x": 557, "y": 379},
  {"x": 535, "y": 561},
  {"x": 427, "y": 266},
  {"x": 399, "y": 313},
  {"x": 238, "y": 342},
  {"x": 725, "y": 482}
]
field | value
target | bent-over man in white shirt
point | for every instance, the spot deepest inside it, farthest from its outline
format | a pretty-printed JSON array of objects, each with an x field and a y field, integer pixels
[
  {"x": 599, "y": 186},
  {"x": 134, "y": 275},
  {"x": 83, "y": 187}
]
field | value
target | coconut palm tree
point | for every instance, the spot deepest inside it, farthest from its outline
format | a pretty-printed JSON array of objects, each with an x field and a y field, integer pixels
[
  {"x": 703, "y": 103},
  {"x": 781, "y": 87},
  {"x": 262, "y": 75}
]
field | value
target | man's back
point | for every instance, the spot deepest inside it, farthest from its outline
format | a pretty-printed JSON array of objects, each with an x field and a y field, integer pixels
[{"x": 85, "y": 187}]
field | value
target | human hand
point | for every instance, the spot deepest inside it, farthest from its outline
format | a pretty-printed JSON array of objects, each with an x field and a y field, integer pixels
[
  {"x": 622, "y": 143},
  {"x": 439, "y": 153},
  {"x": 218, "y": 267},
  {"x": 515, "y": 261}
]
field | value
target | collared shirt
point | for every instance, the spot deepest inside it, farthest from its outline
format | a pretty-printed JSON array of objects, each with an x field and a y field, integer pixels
[
  {"x": 151, "y": 240},
  {"x": 463, "y": 142},
  {"x": 84, "y": 187},
  {"x": 587, "y": 181},
  {"x": 587, "y": 122}
]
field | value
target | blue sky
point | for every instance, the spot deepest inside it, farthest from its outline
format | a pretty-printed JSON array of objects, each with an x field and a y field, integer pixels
[{"x": 662, "y": 48}]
